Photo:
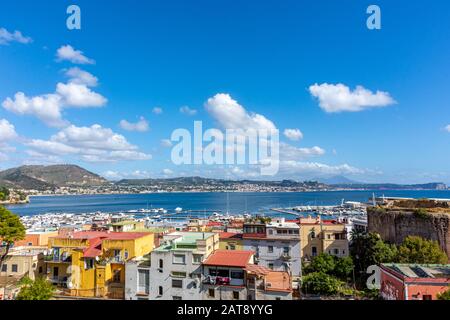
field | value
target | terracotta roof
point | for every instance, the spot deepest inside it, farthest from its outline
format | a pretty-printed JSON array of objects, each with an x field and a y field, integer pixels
[
  {"x": 94, "y": 249},
  {"x": 259, "y": 270},
  {"x": 279, "y": 281},
  {"x": 230, "y": 235},
  {"x": 229, "y": 258}
]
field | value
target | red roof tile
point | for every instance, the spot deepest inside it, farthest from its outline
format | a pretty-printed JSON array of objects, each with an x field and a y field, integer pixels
[
  {"x": 230, "y": 235},
  {"x": 229, "y": 258}
]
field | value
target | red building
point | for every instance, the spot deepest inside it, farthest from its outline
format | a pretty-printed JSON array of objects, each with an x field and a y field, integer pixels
[{"x": 413, "y": 281}]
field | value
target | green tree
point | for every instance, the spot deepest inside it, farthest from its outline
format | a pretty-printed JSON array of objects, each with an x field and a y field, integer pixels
[
  {"x": 343, "y": 268},
  {"x": 368, "y": 249},
  {"x": 418, "y": 250},
  {"x": 444, "y": 295},
  {"x": 11, "y": 230},
  {"x": 321, "y": 283},
  {"x": 39, "y": 289},
  {"x": 322, "y": 263}
]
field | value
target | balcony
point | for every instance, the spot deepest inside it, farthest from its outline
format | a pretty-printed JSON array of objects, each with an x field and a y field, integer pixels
[
  {"x": 285, "y": 257},
  {"x": 58, "y": 258}
]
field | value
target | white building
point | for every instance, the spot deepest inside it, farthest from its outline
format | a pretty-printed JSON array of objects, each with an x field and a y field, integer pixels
[
  {"x": 175, "y": 271},
  {"x": 276, "y": 245}
]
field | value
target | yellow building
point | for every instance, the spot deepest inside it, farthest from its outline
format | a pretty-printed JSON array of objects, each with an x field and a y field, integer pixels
[
  {"x": 317, "y": 237},
  {"x": 230, "y": 241},
  {"x": 92, "y": 264}
]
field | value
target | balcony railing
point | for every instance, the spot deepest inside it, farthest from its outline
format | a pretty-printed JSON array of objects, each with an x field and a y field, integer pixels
[
  {"x": 285, "y": 257},
  {"x": 56, "y": 258}
]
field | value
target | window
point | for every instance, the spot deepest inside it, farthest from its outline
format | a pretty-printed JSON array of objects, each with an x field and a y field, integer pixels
[
  {"x": 336, "y": 251},
  {"x": 116, "y": 255},
  {"x": 177, "y": 283},
  {"x": 40, "y": 269},
  {"x": 125, "y": 254},
  {"x": 343, "y": 251},
  {"x": 277, "y": 298},
  {"x": 88, "y": 264},
  {"x": 237, "y": 274},
  {"x": 160, "y": 290},
  {"x": 177, "y": 298},
  {"x": 179, "y": 259},
  {"x": 197, "y": 258},
  {"x": 271, "y": 266},
  {"x": 116, "y": 276},
  {"x": 212, "y": 293},
  {"x": 232, "y": 247},
  {"x": 236, "y": 295},
  {"x": 30, "y": 244},
  {"x": 4, "y": 268},
  {"x": 270, "y": 249},
  {"x": 178, "y": 274},
  {"x": 14, "y": 268},
  {"x": 314, "y": 251},
  {"x": 144, "y": 281},
  {"x": 286, "y": 250},
  {"x": 312, "y": 234},
  {"x": 161, "y": 263}
]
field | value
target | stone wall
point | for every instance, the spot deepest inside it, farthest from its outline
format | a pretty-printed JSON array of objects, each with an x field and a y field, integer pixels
[{"x": 396, "y": 224}]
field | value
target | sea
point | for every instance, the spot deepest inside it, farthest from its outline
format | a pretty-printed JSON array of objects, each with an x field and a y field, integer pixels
[{"x": 257, "y": 203}]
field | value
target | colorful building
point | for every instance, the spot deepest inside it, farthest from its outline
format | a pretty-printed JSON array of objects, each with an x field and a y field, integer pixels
[
  {"x": 322, "y": 236},
  {"x": 232, "y": 275},
  {"x": 36, "y": 238},
  {"x": 92, "y": 263},
  {"x": 413, "y": 281},
  {"x": 175, "y": 268},
  {"x": 276, "y": 245},
  {"x": 231, "y": 241}
]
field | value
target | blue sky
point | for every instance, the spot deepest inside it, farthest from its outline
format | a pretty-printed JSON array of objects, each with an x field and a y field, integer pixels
[{"x": 262, "y": 55}]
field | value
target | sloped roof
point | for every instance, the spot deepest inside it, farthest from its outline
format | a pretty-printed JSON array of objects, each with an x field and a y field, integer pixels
[{"x": 229, "y": 258}]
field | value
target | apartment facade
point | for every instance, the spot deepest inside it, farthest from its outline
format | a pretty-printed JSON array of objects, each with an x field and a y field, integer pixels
[
  {"x": 176, "y": 265},
  {"x": 232, "y": 275},
  {"x": 319, "y": 236},
  {"x": 92, "y": 264},
  {"x": 231, "y": 241},
  {"x": 276, "y": 245}
]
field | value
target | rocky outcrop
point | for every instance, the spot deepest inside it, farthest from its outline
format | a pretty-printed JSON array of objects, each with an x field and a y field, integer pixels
[{"x": 395, "y": 224}]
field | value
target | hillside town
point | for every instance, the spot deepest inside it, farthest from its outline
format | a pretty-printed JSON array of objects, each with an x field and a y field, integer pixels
[{"x": 235, "y": 257}]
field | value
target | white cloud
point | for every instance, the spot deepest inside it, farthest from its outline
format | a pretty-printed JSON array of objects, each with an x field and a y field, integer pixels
[
  {"x": 288, "y": 152},
  {"x": 7, "y": 37},
  {"x": 140, "y": 126},
  {"x": 339, "y": 98},
  {"x": 137, "y": 174},
  {"x": 82, "y": 77},
  {"x": 188, "y": 111},
  {"x": 231, "y": 115},
  {"x": 68, "y": 53},
  {"x": 92, "y": 144},
  {"x": 293, "y": 134},
  {"x": 48, "y": 107},
  {"x": 7, "y": 131},
  {"x": 157, "y": 110},
  {"x": 166, "y": 143},
  {"x": 79, "y": 95},
  {"x": 315, "y": 169},
  {"x": 167, "y": 172},
  {"x": 447, "y": 128}
]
